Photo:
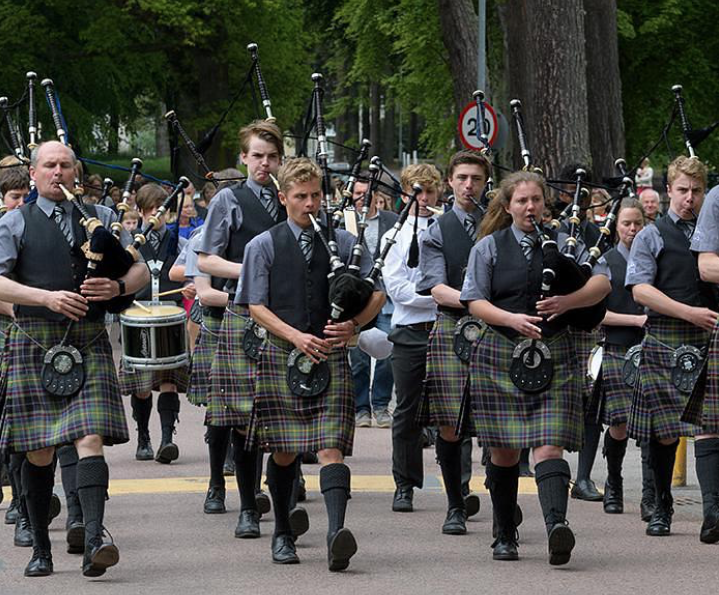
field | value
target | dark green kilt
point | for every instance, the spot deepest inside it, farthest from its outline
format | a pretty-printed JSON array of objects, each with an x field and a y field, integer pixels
[
  {"x": 584, "y": 343},
  {"x": 284, "y": 422},
  {"x": 446, "y": 376},
  {"x": 505, "y": 417},
  {"x": 33, "y": 419},
  {"x": 703, "y": 407},
  {"x": 232, "y": 374},
  {"x": 144, "y": 381},
  {"x": 202, "y": 360},
  {"x": 657, "y": 405},
  {"x": 615, "y": 394}
]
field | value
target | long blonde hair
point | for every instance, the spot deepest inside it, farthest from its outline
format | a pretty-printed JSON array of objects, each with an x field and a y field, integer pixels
[{"x": 497, "y": 216}]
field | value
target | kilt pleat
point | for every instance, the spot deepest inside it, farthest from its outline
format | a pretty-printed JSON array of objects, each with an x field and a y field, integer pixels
[
  {"x": 505, "y": 417},
  {"x": 616, "y": 395},
  {"x": 5, "y": 322},
  {"x": 143, "y": 381},
  {"x": 703, "y": 408},
  {"x": 202, "y": 357},
  {"x": 33, "y": 419},
  {"x": 584, "y": 343},
  {"x": 446, "y": 377},
  {"x": 232, "y": 373},
  {"x": 657, "y": 405},
  {"x": 284, "y": 422}
]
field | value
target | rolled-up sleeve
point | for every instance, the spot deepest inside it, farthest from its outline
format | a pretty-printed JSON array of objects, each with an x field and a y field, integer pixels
[
  {"x": 254, "y": 286},
  {"x": 432, "y": 266},
  {"x": 223, "y": 216},
  {"x": 642, "y": 263},
  {"x": 480, "y": 268},
  {"x": 12, "y": 228}
]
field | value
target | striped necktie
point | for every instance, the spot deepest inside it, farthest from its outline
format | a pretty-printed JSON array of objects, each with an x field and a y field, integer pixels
[
  {"x": 306, "y": 244},
  {"x": 58, "y": 213},
  {"x": 155, "y": 241},
  {"x": 687, "y": 227},
  {"x": 470, "y": 225},
  {"x": 527, "y": 244},
  {"x": 267, "y": 197}
]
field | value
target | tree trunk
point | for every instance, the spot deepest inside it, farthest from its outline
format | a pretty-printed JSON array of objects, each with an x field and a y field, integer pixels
[
  {"x": 548, "y": 73},
  {"x": 375, "y": 111},
  {"x": 113, "y": 141},
  {"x": 458, "y": 21},
  {"x": 604, "y": 86},
  {"x": 387, "y": 150}
]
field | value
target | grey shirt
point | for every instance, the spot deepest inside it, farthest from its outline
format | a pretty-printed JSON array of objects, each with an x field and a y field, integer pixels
[
  {"x": 12, "y": 229},
  {"x": 432, "y": 264},
  {"x": 191, "y": 268},
  {"x": 646, "y": 247},
  {"x": 706, "y": 233},
  {"x": 483, "y": 258},
  {"x": 260, "y": 254}
]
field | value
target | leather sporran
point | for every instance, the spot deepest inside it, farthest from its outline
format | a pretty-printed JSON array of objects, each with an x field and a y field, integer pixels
[
  {"x": 687, "y": 363},
  {"x": 253, "y": 339},
  {"x": 532, "y": 368},
  {"x": 304, "y": 378},
  {"x": 466, "y": 333},
  {"x": 63, "y": 371},
  {"x": 630, "y": 369}
]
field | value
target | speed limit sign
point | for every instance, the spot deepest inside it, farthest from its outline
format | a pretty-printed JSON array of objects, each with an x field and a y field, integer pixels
[{"x": 468, "y": 122}]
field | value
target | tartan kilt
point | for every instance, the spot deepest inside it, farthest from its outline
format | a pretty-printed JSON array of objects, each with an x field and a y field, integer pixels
[
  {"x": 33, "y": 419},
  {"x": 144, "y": 381},
  {"x": 584, "y": 343},
  {"x": 284, "y": 422},
  {"x": 446, "y": 375},
  {"x": 703, "y": 407},
  {"x": 202, "y": 360},
  {"x": 615, "y": 394},
  {"x": 657, "y": 406},
  {"x": 505, "y": 417},
  {"x": 5, "y": 322},
  {"x": 232, "y": 373}
]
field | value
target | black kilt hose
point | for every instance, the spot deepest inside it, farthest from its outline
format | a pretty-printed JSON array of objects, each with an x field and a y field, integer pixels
[
  {"x": 703, "y": 408},
  {"x": 202, "y": 357},
  {"x": 446, "y": 376},
  {"x": 284, "y": 422},
  {"x": 33, "y": 419},
  {"x": 505, "y": 417},
  {"x": 657, "y": 405},
  {"x": 232, "y": 374}
]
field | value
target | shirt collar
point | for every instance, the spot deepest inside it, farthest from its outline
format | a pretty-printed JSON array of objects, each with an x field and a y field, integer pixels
[
  {"x": 47, "y": 206},
  {"x": 519, "y": 234},
  {"x": 623, "y": 250},
  {"x": 257, "y": 188},
  {"x": 296, "y": 229},
  {"x": 461, "y": 213},
  {"x": 674, "y": 217}
]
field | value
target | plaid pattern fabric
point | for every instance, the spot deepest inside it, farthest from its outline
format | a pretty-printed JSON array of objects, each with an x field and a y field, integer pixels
[
  {"x": 144, "y": 381},
  {"x": 583, "y": 344},
  {"x": 5, "y": 322},
  {"x": 285, "y": 422},
  {"x": 202, "y": 360},
  {"x": 33, "y": 419},
  {"x": 232, "y": 374},
  {"x": 446, "y": 375},
  {"x": 616, "y": 395},
  {"x": 505, "y": 417},
  {"x": 657, "y": 406},
  {"x": 703, "y": 407}
]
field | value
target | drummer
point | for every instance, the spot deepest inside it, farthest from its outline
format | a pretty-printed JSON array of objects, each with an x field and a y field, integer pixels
[
  {"x": 159, "y": 252},
  {"x": 502, "y": 288},
  {"x": 623, "y": 329},
  {"x": 664, "y": 277}
]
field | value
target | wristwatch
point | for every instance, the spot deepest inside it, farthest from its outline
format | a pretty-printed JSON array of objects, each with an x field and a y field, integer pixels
[{"x": 121, "y": 285}]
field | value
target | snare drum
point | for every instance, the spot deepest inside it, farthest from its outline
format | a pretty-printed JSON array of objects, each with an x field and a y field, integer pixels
[
  {"x": 594, "y": 365},
  {"x": 154, "y": 338}
]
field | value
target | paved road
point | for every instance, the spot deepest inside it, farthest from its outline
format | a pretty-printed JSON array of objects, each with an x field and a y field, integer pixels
[{"x": 168, "y": 546}]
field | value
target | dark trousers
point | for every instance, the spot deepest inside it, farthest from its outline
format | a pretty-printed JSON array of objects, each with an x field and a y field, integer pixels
[{"x": 409, "y": 366}]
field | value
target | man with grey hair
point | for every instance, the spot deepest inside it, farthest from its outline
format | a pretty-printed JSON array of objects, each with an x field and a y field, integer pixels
[
  {"x": 651, "y": 204},
  {"x": 59, "y": 334}
]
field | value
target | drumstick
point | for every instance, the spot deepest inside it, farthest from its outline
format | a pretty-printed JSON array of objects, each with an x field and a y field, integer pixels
[
  {"x": 142, "y": 307},
  {"x": 170, "y": 292}
]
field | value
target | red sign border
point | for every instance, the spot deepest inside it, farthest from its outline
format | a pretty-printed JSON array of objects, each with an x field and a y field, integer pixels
[{"x": 489, "y": 109}]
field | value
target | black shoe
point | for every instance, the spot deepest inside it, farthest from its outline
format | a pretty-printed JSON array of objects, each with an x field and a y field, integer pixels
[
  {"x": 144, "y": 450},
  {"x": 505, "y": 548},
  {"x": 614, "y": 496},
  {"x": 215, "y": 501},
  {"x": 13, "y": 512},
  {"x": 456, "y": 522},
  {"x": 647, "y": 507},
  {"x": 248, "y": 525},
  {"x": 585, "y": 489},
  {"x": 710, "y": 526},
  {"x": 283, "y": 549},
  {"x": 100, "y": 554},
  {"x": 309, "y": 458},
  {"x": 660, "y": 524},
  {"x": 55, "y": 508},
  {"x": 561, "y": 544},
  {"x": 75, "y": 537},
  {"x": 302, "y": 490},
  {"x": 167, "y": 453},
  {"x": 403, "y": 500},
  {"x": 471, "y": 504},
  {"x": 40, "y": 564},
  {"x": 299, "y": 521},
  {"x": 340, "y": 548},
  {"x": 264, "y": 504},
  {"x": 228, "y": 469},
  {"x": 23, "y": 533}
]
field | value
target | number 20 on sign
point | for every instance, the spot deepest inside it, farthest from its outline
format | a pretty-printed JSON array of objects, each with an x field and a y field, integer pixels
[{"x": 468, "y": 121}]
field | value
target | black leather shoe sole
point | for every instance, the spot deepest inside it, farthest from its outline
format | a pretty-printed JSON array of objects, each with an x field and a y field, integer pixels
[
  {"x": 76, "y": 538},
  {"x": 167, "y": 453},
  {"x": 342, "y": 547},
  {"x": 263, "y": 503},
  {"x": 710, "y": 534},
  {"x": 55, "y": 507},
  {"x": 561, "y": 544},
  {"x": 472, "y": 505},
  {"x": 102, "y": 558},
  {"x": 299, "y": 521}
]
